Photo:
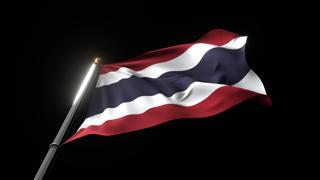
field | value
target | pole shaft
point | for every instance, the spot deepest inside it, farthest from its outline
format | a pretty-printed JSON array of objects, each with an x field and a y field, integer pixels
[
  {"x": 57, "y": 141},
  {"x": 45, "y": 164}
]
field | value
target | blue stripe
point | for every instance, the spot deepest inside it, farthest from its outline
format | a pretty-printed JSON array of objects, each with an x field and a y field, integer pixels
[{"x": 218, "y": 65}]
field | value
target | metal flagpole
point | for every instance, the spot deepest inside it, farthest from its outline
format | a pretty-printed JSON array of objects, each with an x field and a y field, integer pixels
[{"x": 57, "y": 141}]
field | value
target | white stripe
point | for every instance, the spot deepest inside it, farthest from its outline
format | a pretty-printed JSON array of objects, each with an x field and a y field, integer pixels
[
  {"x": 195, "y": 93},
  {"x": 251, "y": 82},
  {"x": 187, "y": 60}
]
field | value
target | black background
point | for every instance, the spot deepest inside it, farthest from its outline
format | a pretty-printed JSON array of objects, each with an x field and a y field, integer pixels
[{"x": 57, "y": 46}]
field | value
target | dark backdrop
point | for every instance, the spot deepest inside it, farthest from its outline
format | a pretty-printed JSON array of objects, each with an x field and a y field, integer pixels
[{"x": 55, "y": 51}]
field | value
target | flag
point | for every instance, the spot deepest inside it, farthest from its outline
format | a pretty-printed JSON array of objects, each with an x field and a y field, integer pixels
[{"x": 193, "y": 80}]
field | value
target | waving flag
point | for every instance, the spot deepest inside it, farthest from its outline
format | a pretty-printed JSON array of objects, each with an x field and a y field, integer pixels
[{"x": 193, "y": 80}]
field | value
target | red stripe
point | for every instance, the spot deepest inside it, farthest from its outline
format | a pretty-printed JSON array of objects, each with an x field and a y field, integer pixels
[
  {"x": 220, "y": 100},
  {"x": 216, "y": 37},
  {"x": 147, "y": 59}
]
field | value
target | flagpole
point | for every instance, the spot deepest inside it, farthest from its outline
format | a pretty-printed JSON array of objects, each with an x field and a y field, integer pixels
[{"x": 53, "y": 147}]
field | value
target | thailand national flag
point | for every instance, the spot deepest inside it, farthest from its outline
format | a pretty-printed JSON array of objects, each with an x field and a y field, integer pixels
[{"x": 193, "y": 80}]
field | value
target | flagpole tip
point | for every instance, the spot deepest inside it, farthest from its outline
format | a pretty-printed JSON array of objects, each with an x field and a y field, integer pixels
[{"x": 97, "y": 60}]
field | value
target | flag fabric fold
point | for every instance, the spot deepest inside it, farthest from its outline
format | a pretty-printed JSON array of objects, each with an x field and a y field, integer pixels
[{"x": 193, "y": 80}]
